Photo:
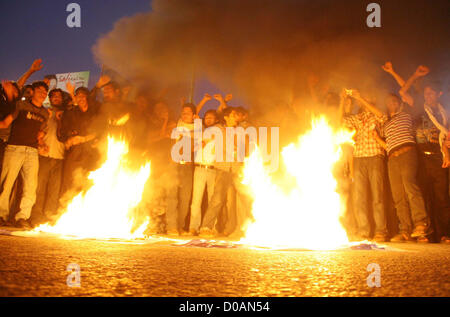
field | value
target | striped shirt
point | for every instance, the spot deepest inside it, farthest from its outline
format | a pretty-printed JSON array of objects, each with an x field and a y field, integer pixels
[{"x": 399, "y": 131}]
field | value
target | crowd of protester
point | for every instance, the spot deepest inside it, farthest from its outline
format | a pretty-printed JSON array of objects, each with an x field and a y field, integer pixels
[{"x": 400, "y": 157}]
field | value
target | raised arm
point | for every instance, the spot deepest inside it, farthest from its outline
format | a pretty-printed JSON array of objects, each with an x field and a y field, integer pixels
[
  {"x": 103, "y": 80},
  {"x": 4, "y": 124},
  {"x": 206, "y": 98},
  {"x": 420, "y": 72},
  {"x": 223, "y": 101},
  {"x": 356, "y": 94},
  {"x": 387, "y": 67},
  {"x": 36, "y": 66}
]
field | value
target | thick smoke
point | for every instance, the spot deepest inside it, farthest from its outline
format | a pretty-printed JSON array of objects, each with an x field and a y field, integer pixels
[{"x": 263, "y": 50}]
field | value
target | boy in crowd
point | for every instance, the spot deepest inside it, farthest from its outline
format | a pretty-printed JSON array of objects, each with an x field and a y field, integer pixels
[
  {"x": 204, "y": 173},
  {"x": 227, "y": 175},
  {"x": 401, "y": 147},
  {"x": 176, "y": 219},
  {"x": 78, "y": 135},
  {"x": 431, "y": 125},
  {"x": 51, "y": 156},
  {"x": 369, "y": 169},
  {"x": 21, "y": 154}
]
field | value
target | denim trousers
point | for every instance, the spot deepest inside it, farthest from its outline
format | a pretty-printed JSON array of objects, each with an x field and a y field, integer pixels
[
  {"x": 406, "y": 193},
  {"x": 235, "y": 216},
  {"x": 369, "y": 183},
  {"x": 48, "y": 189},
  {"x": 179, "y": 197},
  {"x": 23, "y": 160},
  {"x": 203, "y": 177}
]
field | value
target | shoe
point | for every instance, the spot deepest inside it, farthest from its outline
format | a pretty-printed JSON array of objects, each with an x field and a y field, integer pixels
[
  {"x": 193, "y": 232},
  {"x": 445, "y": 239},
  {"x": 206, "y": 233},
  {"x": 359, "y": 238},
  {"x": 419, "y": 231},
  {"x": 380, "y": 237},
  {"x": 423, "y": 239},
  {"x": 402, "y": 237},
  {"x": 172, "y": 232},
  {"x": 185, "y": 233},
  {"x": 22, "y": 223}
]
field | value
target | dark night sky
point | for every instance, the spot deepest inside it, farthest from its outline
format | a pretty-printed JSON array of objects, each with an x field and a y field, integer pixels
[{"x": 37, "y": 29}]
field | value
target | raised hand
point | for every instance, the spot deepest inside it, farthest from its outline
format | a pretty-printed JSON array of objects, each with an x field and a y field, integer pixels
[
  {"x": 219, "y": 97},
  {"x": 228, "y": 97},
  {"x": 207, "y": 97},
  {"x": 70, "y": 88},
  {"x": 422, "y": 71},
  {"x": 103, "y": 80},
  {"x": 36, "y": 66},
  {"x": 387, "y": 67}
]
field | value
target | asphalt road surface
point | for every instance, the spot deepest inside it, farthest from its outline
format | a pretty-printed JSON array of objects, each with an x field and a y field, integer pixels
[{"x": 37, "y": 266}]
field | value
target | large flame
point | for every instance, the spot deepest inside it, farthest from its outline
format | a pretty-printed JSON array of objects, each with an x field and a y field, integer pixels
[
  {"x": 307, "y": 215},
  {"x": 106, "y": 209}
]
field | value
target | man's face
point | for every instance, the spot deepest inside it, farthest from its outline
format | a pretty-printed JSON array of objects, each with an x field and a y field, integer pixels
[
  {"x": 232, "y": 119},
  {"x": 82, "y": 102},
  {"x": 393, "y": 104},
  {"x": 39, "y": 94},
  {"x": 210, "y": 119},
  {"x": 56, "y": 99},
  {"x": 187, "y": 116},
  {"x": 431, "y": 96},
  {"x": 109, "y": 93}
]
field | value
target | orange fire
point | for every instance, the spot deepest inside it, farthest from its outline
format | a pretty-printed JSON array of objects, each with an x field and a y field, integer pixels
[
  {"x": 307, "y": 215},
  {"x": 106, "y": 209}
]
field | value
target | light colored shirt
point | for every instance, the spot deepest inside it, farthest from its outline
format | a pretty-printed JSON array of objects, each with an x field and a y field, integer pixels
[{"x": 55, "y": 147}]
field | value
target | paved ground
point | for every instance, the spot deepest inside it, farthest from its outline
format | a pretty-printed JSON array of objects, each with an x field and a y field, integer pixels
[{"x": 36, "y": 266}]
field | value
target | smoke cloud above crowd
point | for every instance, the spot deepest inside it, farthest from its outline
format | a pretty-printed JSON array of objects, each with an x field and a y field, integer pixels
[{"x": 263, "y": 51}]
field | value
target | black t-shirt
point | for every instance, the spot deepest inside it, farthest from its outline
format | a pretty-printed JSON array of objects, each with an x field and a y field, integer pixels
[
  {"x": 76, "y": 122},
  {"x": 28, "y": 121}
]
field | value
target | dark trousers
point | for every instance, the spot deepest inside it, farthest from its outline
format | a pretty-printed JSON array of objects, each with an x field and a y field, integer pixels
[
  {"x": 82, "y": 157},
  {"x": 48, "y": 189},
  {"x": 406, "y": 193},
  {"x": 185, "y": 184},
  {"x": 369, "y": 183},
  {"x": 435, "y": 184}
]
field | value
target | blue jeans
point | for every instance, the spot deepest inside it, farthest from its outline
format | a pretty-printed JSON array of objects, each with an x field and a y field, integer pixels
[
  {"x": 23, "y": 159},
  {"x": 369, "y": 182},
  {"x": 203, "y": 177}
]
